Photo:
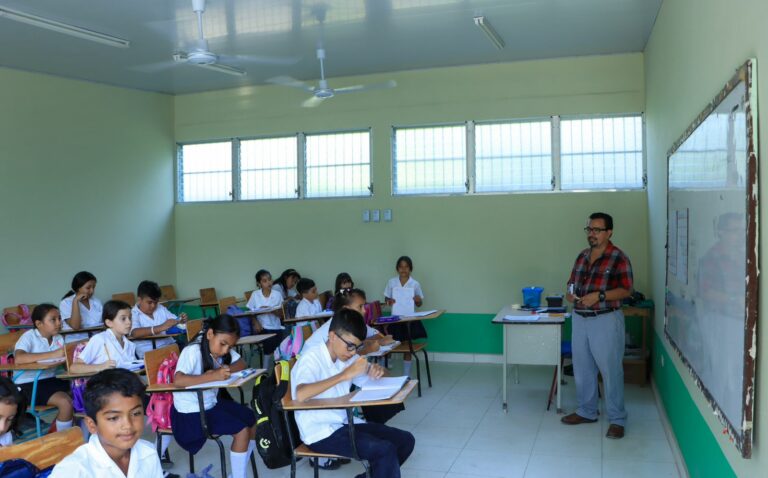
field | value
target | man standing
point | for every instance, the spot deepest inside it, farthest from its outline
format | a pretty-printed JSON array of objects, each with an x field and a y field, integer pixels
[{"x": 601, "y": 278}]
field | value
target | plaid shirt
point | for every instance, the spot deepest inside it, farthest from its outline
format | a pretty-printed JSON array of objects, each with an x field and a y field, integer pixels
[{"x": 610, "y": 271}]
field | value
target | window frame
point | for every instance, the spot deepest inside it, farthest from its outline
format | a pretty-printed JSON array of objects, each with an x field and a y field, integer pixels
[
  {"x": 303, "y": 162},
  {"x": 179, "y": 172},
  {"x": 236, "y": 160}
]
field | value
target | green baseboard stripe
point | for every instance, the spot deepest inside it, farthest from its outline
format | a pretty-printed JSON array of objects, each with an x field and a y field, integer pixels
[{"x": 701, "y": 452}]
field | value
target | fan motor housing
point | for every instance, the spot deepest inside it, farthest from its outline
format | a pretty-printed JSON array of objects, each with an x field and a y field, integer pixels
[{"x": 201, "y": 57}]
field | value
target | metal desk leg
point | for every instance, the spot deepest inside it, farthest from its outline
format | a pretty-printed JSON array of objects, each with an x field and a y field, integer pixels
[
  {"x": 559, "y": 366},
  {"x": 504, "y": 371},
  {"x": 517, "y": 374},
  {"x": 413, "y": 355}
]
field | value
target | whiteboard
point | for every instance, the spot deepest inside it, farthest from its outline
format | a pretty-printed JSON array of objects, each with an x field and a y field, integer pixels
[{"x": 711, "y": 294}]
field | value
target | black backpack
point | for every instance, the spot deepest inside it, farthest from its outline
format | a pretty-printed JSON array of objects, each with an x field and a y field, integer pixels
[{"x": 272, "y": 439}]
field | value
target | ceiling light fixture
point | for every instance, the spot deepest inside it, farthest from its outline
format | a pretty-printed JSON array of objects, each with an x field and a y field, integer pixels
[
  {"x": 489, "y": 31},
  {"x": 64, "y": 28}
]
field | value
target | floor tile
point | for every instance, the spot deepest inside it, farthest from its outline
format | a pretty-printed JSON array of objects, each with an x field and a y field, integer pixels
[
  {"x": 542, "y": 466},
  {"x": 502, "y": 464}
]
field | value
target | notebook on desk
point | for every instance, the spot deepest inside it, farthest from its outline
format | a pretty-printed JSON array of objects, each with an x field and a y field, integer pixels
[
  {"x": 379, "y": 389},
  {"x": 225, "y": 383}
]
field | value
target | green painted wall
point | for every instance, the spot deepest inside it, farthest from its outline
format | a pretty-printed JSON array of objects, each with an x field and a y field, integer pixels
[
  {"x": 86, "y": 182},
  {"x": 471, "y": 254},
  {"x": 695, "y": 47}
]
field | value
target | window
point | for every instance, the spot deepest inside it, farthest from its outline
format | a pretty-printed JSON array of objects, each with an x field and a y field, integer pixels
[
  {"x": 338, "y": 164},
  {"x": 429, "y": 160},
  {"x": 513, "y": 156},
  {"x": 601, "y": 153},
  {"x": 269, "y": 168},
  {"x": 205, "y": 172}
]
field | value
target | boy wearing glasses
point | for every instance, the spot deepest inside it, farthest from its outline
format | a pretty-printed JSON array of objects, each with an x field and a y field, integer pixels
[
  {"x": 327, "y": 372},
  {"x": 601, "y": 278}
]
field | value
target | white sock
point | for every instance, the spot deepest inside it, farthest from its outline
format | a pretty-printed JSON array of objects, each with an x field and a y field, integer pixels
[
  {"x": 407, "y": 367},
  {"x": 61, "y": 426},
  {"x": 238, "y": 461},
  {"x": 84, "y": 429},
  {"x": 165, "y": 440}
]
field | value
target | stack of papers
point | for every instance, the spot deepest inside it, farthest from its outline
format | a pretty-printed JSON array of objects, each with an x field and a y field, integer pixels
[
  {"x": 522, "y": 318},
  {"x": 404, "y": 304},
  {"x": 423, "y": 313},
  {"x": 380, "y": 389},
  {"x": 384, "y": 349},
  {"x": 224, "y": 383}
]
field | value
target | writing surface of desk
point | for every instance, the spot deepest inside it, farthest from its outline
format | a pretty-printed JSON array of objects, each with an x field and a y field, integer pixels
[
  {"x": 87, "y": 330},
  {"x": 530, "y": 342},
  {"x": 308, "y": 318},
  {"x": 345, "y": 401}
]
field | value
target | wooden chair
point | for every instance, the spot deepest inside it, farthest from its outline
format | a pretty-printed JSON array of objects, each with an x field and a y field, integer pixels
[
  {"x": 323, "y": 297},
  {"x": 167, "y": 292},
  {"x": 193, "y": 328},
  {"x": 69, "y": 350},
  {"x": 47, "y": 450},
  {"x": 128, "y": 297},
  {"x": 8, "y": 341},
  {"x": 300, "y": 449},
  {"x": 247, "y": 295},
  {"x": 226, "y": 302},
  {"x": 208, "y": 300}
]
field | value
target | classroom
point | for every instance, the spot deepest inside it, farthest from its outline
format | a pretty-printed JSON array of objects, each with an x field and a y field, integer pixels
[{"x": 93, "y": 178}]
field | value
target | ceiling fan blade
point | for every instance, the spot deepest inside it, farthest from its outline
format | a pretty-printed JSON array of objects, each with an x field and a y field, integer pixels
[
  {"x": 312, "y": 102},
  {"x": 291, "y": 82},
  {"x": 260, "y": 60},
  {"x": 155, "y": 67},
  {"x": 357, "y": 88},
  {"x": 222, "y": 68}
]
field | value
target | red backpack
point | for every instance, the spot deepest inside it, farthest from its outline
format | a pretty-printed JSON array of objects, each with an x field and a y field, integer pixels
[{"x": 159, "y": 407}]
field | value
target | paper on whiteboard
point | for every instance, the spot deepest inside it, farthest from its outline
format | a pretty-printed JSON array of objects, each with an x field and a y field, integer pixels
[{"x": 404, "y": 305}]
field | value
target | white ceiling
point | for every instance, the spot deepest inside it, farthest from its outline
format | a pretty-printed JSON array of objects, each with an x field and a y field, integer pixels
[{"x": 361, "y": 36}]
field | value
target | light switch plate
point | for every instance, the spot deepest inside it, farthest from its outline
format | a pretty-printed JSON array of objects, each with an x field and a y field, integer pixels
[
  {"x": 366, "y": 215},
  {"x": 387, "y": 215},
  {"x": 376, "y": 215}
]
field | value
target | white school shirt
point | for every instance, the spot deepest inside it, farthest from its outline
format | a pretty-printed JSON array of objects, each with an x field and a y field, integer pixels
[
  {"x": 411, "y": 283},
  {"x": 285, "y": 295},
  {"x": 91, "y": 461},
  {"x": 306, "y": 308},
  {"x": 32, "y": 342},
  {"x": 191, "y": 363},
  {"x": 89, "y": 317},
  {"x": 313, "y": 366},
  {"x": 140, "y": 319},
  {"x": 6, "y": 439},
  {"x": 258, "y": 301},
  {"x": 94, "y": 352}
]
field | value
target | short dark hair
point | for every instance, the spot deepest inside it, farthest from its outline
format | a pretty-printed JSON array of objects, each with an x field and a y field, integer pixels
[
  {"x": 304, "y": 285},
  {"x": 259, "y": 274},
  {"x": 150, "y": 289},
  {"x": 11, "y": 395},
  {"x": 344, "y": 298},
  {"x": 107, "y": 382},
  {"x": 348, "y": 321},
  {"x": 111, "y": 308},
  {"x": 80, "y": 279},
  {"x": 41, "y": 311},
  {"x": 405, "y": 259},
  {"x": 607, "y": 219}
]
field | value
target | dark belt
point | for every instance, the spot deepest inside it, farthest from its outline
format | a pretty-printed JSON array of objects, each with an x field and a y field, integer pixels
[{"x": 594, "y": 313}]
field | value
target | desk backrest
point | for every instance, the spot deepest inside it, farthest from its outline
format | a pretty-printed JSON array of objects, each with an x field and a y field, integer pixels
[
  {"x": 208, "y": 296},
  {"x": 247, "y": 295},
  {"x": 8, "y": 341},
  {"x": 127, "y": 297},
  {"x": 193, "y": 328},
  {"x": 323, "y": 297},
  {"x": 153, "y": 359},
  {"x": 46, "y": 450},
  {"x": 167, "y": 292},
  {"x": 225, "y": 303},
  {"x": 70, "y": 351}
]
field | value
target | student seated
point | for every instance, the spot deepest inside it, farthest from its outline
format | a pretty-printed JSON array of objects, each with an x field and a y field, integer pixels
[
  {"x": 115, "y": 418},
  {"x": 266, "y": 297},
  {"x": 210, "y": 358},
  {"x": 285, "y": 285},
  {"x": 11, "y": 410},
  {"x": 111, "y": 348},
  {"x": 309, "y": 304},
  {"x": 149, "y": 317},
  {"x": 88, "y": 310},
  {"x": 327, "y": 372},
  {"x": 44, "y": 343},
  {"x": 343, "y": 281}
]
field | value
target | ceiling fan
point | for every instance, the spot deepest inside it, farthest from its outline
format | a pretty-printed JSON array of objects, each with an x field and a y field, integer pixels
[
  {"x": 322, "y": 91},
  {"x": 199, "y": 54}
]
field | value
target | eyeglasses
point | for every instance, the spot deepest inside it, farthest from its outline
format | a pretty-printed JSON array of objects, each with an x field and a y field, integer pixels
[
  {"x": 350, "y": 346},
  {"x": 590, "y": 230}
]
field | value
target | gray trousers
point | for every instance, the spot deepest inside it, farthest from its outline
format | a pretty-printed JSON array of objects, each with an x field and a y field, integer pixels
[{"x": 598, "y": 345}]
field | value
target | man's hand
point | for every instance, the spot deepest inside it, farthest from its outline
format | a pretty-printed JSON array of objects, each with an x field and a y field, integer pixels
[{"x": 590, "y": 299}]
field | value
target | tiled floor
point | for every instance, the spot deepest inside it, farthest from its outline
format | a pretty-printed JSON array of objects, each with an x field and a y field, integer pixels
[{"x": 462, "y": 432}]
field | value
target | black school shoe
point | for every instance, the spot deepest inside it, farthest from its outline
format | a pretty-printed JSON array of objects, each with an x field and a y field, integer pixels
[{"x": 331, "y": 464}]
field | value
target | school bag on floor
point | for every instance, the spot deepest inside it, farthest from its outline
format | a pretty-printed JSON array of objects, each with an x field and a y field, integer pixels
[
  {"x": 21, "y": 468},
  {"x": 23, "y": 317},
  {"x": 78, "y": 385},
  {"x": 272, "y": 440},
  {"x": 159, "y": 407}
]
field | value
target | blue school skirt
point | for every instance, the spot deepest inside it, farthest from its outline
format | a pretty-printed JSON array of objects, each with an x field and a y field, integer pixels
[
  {"x": 45, "y": 389},
  {"x": 225, "y": 418}
]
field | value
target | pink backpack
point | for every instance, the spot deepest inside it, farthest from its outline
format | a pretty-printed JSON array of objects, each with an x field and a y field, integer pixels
[
  {"x": 78, "y": 385},
  {"x": 291, "y": 346},
  {"x": 7, "y": 359},
  {"x": 159, "y": 407},
  {"x": 15, "y": 318}
]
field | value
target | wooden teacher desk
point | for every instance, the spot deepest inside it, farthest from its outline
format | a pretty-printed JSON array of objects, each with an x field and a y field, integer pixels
[{"x": 530, "y": 342}]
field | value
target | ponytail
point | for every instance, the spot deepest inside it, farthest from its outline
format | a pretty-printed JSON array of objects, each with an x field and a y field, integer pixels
[{"x": 221, "y": 324}]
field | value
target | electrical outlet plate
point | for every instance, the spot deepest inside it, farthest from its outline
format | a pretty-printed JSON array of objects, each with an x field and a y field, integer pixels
[
  {"x": 387, "y": 215},
  {"x": 366, "y": 215},
  {"x": 376, "y": 215}
]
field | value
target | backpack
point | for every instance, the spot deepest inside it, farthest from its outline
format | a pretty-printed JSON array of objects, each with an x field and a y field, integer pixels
[
  {"x": 244, "y": 322},
  {"x": 372, "y": 312},
  {"x": 291, "y": 346},
  {"x": 272, "y": 440},
  {"x": 14, "y": 318},
  {"x": 159, "y": 407},
  {"x": 20, "y": 468},
  {"x": 78, "y": 385},
  {"x": 7, "y": 359}
]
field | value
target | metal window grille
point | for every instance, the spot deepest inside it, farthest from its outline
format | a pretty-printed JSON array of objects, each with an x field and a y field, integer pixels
[
  {"x": 338, "y": 164},
  {"x": 429, "y": 160},
  {"x": 269, "y": 168},
  {"x": 205, "y": 172}
]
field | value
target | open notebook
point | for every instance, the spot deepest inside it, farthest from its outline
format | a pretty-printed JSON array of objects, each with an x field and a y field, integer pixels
[
  {"x": 224, "y": 383},
  {"x": 384, "y": 349},
  {"x": 380, "y": 389}
]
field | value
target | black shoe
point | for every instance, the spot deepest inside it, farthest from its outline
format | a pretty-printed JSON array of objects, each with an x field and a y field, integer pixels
[
  {"x": 329, "y": 465},
  {"x": 344, "y": 461},
  {"x": 568, "y": 370},
  {"x": 166, "y": 459}
]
